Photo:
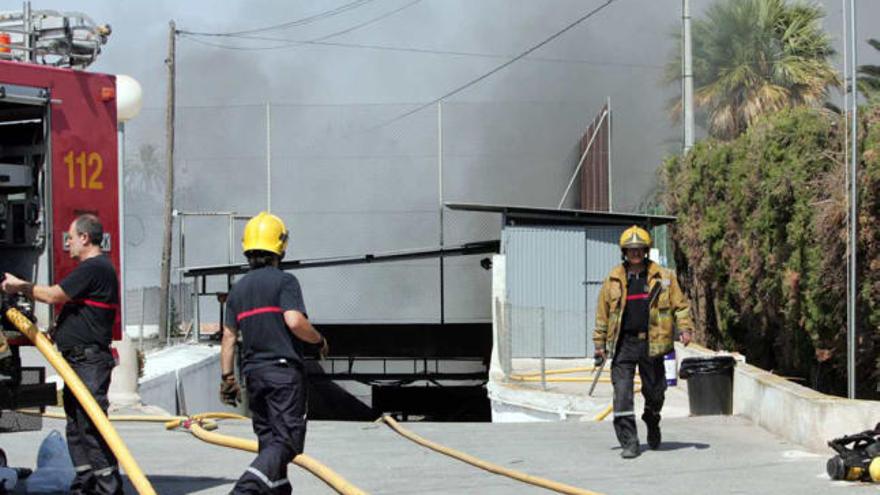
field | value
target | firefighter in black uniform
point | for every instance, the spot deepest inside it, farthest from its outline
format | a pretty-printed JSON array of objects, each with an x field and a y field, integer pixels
[
  {"x": 83, "y": 332},
  {"x": 266, "y": 307},
  {"x": 640, "y": 306}
]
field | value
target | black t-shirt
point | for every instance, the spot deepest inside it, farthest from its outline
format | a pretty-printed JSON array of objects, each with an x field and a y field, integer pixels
[
  {"x": 256, "y": 307},
  {"x": 635, "y": 313},
  {"x": 87, "y": 319}
]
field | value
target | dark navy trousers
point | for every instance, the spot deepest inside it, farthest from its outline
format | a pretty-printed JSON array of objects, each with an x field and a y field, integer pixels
[
  {"x": 277, "y": 399},
  {"x": 97, "y": 471},
  {"x": 632, "y": 351}
]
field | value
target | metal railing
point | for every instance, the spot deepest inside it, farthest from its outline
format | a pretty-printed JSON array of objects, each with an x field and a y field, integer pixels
[{"x": 539, "y": 332}]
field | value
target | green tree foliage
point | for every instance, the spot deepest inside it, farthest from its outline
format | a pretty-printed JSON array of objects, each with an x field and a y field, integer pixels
[
  {"x": 869, "y": 76},
  {"x": 761, "y": 244},
  {"x": 754, "y": 57}
]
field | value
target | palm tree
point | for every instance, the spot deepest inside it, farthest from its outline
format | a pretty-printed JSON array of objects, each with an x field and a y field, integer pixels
[
  {"x": 869, "y": 76},
  {"x": 143, "y": 173},
  {"x": 753, "y": 57}
]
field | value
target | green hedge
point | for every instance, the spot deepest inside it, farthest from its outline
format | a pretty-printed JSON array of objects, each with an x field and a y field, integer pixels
[{"x": 760, "y": 244}]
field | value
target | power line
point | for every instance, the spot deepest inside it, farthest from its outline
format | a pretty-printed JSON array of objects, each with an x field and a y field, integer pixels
[
  {"x": 297, "y": 22},
  {"x": 398, "y": 103},
  {"x": 190, "y": 37},
  {"x": 291, "y": 43},
  {"x": 286, "y": 43},
  {"x": 367, "y": 23},
  {"x": 499, "y": 67}
]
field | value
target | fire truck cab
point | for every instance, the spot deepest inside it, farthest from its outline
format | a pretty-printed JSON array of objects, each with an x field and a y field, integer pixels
[{"x": 58, "y": 159}]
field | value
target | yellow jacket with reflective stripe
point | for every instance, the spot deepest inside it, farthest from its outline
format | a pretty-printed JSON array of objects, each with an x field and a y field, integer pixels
[{"x": 667, "y": 310}]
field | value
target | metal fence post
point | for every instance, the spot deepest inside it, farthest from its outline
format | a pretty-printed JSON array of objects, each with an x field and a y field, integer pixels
[
  {"x": 543, "y": 348},
  {"x": 143, "y": 311},
  {"x": 194, "y": 301},
  {"x": 507, "y": 342},
  {"x": 197, "y": 314}
]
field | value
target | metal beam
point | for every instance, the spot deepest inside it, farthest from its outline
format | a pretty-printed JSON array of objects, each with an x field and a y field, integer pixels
[
  {"x": 417, "y": 376},
  {"x": 468, "y": 249}
]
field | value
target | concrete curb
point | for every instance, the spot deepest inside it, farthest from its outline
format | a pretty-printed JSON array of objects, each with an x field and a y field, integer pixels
[
  {"x": 511, "y": 403},
  {"x": 797, "y": 413}
]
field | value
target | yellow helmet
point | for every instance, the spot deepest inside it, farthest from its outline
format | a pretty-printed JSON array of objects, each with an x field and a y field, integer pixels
[
  {"x": 635, "y": 237},
  {"x": 874, "y": 469},
  {"x": 265, "y": 232}
]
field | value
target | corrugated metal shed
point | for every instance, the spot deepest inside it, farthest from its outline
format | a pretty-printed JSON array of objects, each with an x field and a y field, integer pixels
[
  {"x": 546, "y": 290},
  {"x": 556, "y": 261}
]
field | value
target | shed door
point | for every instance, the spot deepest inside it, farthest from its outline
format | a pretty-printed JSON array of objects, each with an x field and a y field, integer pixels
[{"x": 546, "y": 271}]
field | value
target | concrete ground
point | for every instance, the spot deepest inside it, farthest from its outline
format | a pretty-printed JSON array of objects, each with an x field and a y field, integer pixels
[
  {"x": 710, "y": 454},
  {"x": 701, "y": 455}
]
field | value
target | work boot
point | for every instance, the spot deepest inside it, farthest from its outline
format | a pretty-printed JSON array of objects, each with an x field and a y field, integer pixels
[
  {"x": 630, "y": 452},
  {"x": 652, "y": 420},
  {"x": 654, "y": 436}
]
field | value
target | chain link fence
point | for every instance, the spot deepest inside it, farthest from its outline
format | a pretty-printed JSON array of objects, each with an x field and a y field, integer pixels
[{"x": 348, "y": 180}]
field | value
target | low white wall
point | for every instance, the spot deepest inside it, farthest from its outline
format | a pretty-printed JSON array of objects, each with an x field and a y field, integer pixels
[
  {"x": 184, "y": 375},
  {"x": 160, "y": 391},
  {"x": 512, "y": 404},
  {"x": 797, "y": 413}
]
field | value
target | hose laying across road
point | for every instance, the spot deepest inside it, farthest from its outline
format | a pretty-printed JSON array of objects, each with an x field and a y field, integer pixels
[
  {"x": 560, "y": 371},
  {"x": 201, "y": 424},
  {"x": 82, "y": 394},
  {"x": 535, "y": 376},
  {"x": 561, "y": 379},
  {"x": 207, "y": 424},
  {"x": 605, "y": 412},
  {"x": 114, "y": 441},
  {"x": 327, "y": 475},
  {"x": 488, "y": 466}
]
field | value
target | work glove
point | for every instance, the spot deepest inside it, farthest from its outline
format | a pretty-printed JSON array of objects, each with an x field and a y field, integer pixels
[
  {"x": 598, "y": 358},
  {"x": 230, "y": 392}
]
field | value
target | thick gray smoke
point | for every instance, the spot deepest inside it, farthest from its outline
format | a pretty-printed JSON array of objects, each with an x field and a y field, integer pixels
[{"x": 346, "y": 187}]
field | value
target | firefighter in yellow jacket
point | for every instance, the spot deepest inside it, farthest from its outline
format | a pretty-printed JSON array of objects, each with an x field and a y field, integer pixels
[{"x": 639, "y": 307}]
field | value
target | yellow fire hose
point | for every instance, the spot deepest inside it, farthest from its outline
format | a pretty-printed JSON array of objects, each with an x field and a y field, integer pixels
[
  {"x": 604, "y": 414},
  {"x": 488, "y": 466},
  {"x": 206, "y": 424},
  {"x": 114, "y": 441},
  {"x": 334, "y": 480},
  {"x": 561, "y": 371},
  {"x": 560, "y": 379},
  {"x": 201, "y": 424},
  {"x": 535, "y": 376}
]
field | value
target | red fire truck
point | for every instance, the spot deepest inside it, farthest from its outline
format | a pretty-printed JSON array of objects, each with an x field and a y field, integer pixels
[{"x": 58, "y": 159}]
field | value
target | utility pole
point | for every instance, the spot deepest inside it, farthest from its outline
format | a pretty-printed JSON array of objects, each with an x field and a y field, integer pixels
[
  {"x": 268, "y": 157},
  {"x": 687, "y": 77},
  {"x": 851, "y": 326},
  {"x": 165, "y": 292},
  {"x": 28, "y": 40},
  {"x": 440, "y": 206}
]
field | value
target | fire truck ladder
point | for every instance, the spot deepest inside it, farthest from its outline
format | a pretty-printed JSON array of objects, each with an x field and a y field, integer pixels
[{"x": 49, "y": 37}]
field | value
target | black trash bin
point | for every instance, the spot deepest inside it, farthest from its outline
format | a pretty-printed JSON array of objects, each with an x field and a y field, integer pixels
[{"x": 710, "y": 384}]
